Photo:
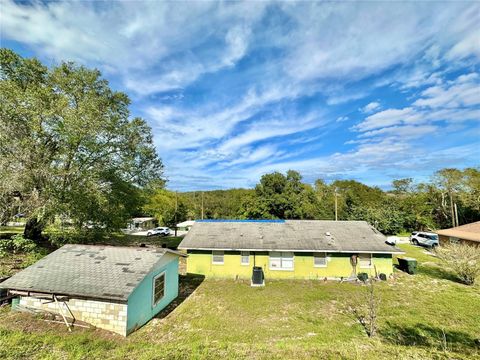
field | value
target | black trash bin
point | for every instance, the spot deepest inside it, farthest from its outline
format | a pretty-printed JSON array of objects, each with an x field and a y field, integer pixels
[
  {"x": 409, "y": 265},
  {"x": 257, "y": 276}
]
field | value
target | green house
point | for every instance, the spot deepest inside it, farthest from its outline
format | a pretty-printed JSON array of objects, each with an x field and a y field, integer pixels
[
  {"x": 302, "y": 249},
  {"x": 115, "y": 288}
]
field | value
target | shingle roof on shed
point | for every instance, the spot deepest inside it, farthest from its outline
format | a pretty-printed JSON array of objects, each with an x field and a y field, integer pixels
[
  {"x": 288, "y": 235},
  {"x": 468, "y": 231},
  {"x": 103, "y": 272}
]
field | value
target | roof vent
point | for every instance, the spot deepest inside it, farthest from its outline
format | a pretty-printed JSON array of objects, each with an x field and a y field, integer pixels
[{"x": 328, "y": 233}]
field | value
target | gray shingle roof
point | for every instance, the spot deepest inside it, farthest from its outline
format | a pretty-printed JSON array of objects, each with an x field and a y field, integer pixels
[
  {"x": 291, "y": 235},
  {"x": 103, "y": 272}
]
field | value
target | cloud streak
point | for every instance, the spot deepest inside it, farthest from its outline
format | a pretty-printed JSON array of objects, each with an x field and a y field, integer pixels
[{"x": 236, "y": 89}]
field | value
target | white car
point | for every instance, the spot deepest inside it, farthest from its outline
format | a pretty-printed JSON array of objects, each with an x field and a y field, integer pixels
[
  {"x": 424, "y": 239},
  {"x": 392, "y": 240},
  {"x": 159, "y": 231}
]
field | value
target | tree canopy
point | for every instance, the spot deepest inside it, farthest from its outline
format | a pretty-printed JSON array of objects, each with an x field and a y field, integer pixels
[
  {"x": 68, "y": 147},
  {"x": 408, "y": 206}
]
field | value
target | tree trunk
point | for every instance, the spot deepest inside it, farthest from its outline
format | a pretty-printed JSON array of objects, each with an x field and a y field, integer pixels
[{"x": 33, "y": 230}]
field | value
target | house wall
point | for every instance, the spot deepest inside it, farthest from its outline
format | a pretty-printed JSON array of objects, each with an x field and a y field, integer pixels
[
  {"x": 445, "y": 240},
  {"x": 102, "y": 314},
  {"x": 140, "y": 302},
  {"x": 338, "y": 265}
]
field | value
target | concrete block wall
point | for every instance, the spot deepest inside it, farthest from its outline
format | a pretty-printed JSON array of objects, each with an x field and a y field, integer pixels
[{"x": 101, "y": 314}]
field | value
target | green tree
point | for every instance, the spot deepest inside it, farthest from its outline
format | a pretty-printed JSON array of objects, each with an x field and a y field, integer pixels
[
  {"x": 167, "y": 206},
  {"x": 68, "y": 147},
  {"x": 279, "y": 196},
  {"x": 449, "y": 181},
  {"x": 402, "y": 186}
]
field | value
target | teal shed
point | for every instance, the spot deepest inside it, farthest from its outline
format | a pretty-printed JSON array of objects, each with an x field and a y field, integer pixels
[{"x": 115, "y": 288}]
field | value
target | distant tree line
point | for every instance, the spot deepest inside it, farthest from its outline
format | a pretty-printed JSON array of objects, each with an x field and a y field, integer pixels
[{"x": 451, "y": 197}]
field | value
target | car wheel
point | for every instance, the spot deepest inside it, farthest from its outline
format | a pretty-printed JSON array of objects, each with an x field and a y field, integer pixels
[
  {"x": 415, "y": 242},
  {"x": 149, "y": 234}
]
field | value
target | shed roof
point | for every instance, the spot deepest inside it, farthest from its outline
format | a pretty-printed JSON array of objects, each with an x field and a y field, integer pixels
[
  {"x": 142, "y": 219},
  {"x": 91, "y": 271},
  {"x": 468, "y": 231},
  {"x": 288, "y": 235}
]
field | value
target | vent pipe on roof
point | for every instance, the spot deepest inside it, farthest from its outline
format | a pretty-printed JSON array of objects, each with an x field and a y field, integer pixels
[{"x": 328, "y": 233}]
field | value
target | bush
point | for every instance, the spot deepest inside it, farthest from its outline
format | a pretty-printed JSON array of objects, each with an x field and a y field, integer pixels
[
  {"x": 58, "y": 238},
  {"x": 463, "y": 259},
  {"x": 16, "y": 244}
]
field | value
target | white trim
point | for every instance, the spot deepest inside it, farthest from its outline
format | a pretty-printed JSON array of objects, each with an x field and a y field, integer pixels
[
  {"x": 326, "y": 260},
  {"x": 241, "y": 258},
  {"x": 365, "y": 267},
  {"x": 164, "y": 287},
  {"x": 300, "y": 251},
  {"x": 281, "y": 268},
  {"x": 222, "y": 255}
]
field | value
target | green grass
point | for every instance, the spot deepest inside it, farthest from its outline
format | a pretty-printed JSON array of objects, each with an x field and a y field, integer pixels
[
  {"x": 404, "y": 233},
  {"x": 428, "y": 315},
  {"x": 120, "y": 239}
]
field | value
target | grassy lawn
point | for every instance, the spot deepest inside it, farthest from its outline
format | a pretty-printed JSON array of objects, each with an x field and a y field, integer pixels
[
  {"x": 120, "y": 239},
  {"x": 428, "y": 315}
]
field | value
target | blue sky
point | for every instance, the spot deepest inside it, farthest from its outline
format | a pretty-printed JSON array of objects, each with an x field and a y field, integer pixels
[{"x": 368, "y": 91}]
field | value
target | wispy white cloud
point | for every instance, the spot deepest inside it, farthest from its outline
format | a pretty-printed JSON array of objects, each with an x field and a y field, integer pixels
[
  {"x": 453, "y": 101},
  {"x": 134, "y": 38},
  {"x": 370, "y": 107},
  {"x": 236, "y": 89}
]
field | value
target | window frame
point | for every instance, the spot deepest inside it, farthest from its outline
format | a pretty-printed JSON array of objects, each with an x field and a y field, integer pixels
[
  {"x": 155, "y": 278},
  {"x": 316, "y": 256},
  {"x": 242, "y": 256},
  {"x": 281, "y": 257},
  {"x": 218, "y": 254},
  {"x": 360, "y": 261},
  {"x": 453, "y": 240}
]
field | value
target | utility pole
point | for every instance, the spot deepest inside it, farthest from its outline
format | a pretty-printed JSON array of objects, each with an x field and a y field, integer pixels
[
  {"x": 336, "y": 205},
  {"x": 202, "y": 205}
]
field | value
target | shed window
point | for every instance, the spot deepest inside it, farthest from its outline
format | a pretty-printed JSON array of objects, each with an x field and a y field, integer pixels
[
  {"x": 320, "y": 259},
  {"x": 158, "y": 288},
  {"x": 245, "y": 258},
  {"x": 281, "y": 260},
  {"x": 365, "y": 260},
  {"x": 217, "y": 257},
  {"x": 454, "y": 240}
]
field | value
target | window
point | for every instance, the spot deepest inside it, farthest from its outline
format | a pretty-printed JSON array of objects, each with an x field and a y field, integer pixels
[
  {"x": 319, "y": 259},
  {"x": 281, "y": 260},
  {"x": 245, "y": 258},
  {"x": 217, "y": 257},
  {"x": 454, "y": 240},
  {"x": 365, "y": 260},
  {"x": 158, "y": 288}
]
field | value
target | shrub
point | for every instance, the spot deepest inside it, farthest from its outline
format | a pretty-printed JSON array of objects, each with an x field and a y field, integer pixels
[
  {"x": 59, "y": 237},
  {"x": 463, "y": 259},
  {"x": 16, "y": 244}
]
